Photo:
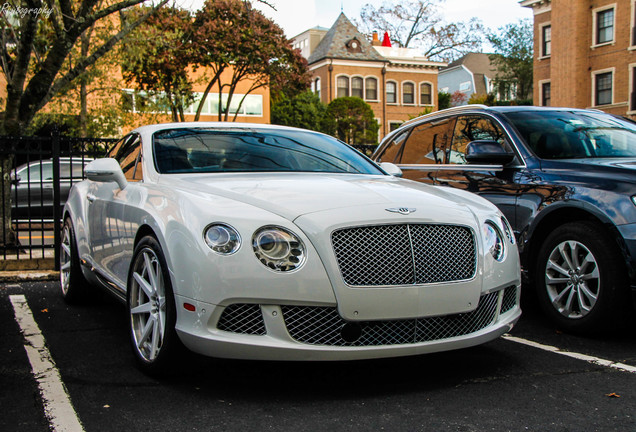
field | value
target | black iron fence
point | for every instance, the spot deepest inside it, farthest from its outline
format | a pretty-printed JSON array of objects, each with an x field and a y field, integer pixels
[{"x": 37, "y": 174}]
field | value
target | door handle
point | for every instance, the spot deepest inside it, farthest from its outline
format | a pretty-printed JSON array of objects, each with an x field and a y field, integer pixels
[{"x": 91, "y": 198}]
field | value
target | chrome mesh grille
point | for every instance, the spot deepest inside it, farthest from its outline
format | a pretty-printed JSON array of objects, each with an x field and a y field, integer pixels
[
  {"x": 406, "y": 254},
  {"x": 242, "y": 318},
  {"x": 509, "y": 300},
  {"x": 323, "y": 326}
]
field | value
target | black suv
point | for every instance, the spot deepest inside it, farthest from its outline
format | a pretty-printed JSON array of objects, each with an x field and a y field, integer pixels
[{"x": 566, "y": 181}]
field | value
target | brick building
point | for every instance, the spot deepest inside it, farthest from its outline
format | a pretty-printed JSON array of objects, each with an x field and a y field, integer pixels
[
  {"x": 398, "y": 83},
  {"x": 585, "y": 54}
]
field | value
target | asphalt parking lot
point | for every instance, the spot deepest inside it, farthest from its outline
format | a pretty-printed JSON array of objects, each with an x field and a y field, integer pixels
[{"x": 538, "y": 379}]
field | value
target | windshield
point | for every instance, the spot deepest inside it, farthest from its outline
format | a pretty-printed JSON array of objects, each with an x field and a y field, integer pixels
[
  {"x": 195, "y": 150},
  {"x": 570, "y": 135}
]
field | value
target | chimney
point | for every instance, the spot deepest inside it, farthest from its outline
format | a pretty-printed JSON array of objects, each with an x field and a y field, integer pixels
[{"x": 376, "y": 39}]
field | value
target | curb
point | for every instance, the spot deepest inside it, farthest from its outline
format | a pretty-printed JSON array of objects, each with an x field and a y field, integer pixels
[{"x": 29, "y": 276}]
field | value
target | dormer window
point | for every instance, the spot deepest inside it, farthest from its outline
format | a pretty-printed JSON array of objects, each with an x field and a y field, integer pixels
[{"x": 354, "y": 46}]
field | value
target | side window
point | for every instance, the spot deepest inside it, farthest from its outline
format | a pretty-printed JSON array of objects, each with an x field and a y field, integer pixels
[
  {"x": 128, "y": 153},
  {"x": 427, "y": 143},
  {"x": 393, "y": 151},
  {"x": 472, "y": 128}
]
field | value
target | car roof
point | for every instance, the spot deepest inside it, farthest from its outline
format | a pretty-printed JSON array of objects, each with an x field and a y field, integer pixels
[{"x": 215, "y": 125}]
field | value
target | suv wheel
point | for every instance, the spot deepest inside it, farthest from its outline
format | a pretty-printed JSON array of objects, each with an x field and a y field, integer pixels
[{"x": 580, "y": 278}]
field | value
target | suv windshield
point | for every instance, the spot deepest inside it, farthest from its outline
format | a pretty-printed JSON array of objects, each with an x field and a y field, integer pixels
[
  {"x": 570, "y": 135},
  {"x": 249, "y": 150}
]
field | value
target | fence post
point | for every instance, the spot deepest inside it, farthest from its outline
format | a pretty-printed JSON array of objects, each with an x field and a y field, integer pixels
[{"x": 55, "y": 144}]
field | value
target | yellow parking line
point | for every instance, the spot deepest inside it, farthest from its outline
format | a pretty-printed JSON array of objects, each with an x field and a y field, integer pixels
[{"x": 26, "y": 237}]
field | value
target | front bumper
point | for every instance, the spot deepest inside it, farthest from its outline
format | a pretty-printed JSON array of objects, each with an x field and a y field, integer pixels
[{"x": 310, "y": 332}]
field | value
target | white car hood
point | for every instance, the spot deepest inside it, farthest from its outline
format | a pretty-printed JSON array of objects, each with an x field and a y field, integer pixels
[{"x": 297, "y": 194}]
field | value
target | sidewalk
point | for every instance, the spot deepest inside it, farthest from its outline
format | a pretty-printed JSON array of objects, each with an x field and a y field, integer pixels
[{"x": 29, "y": 269}]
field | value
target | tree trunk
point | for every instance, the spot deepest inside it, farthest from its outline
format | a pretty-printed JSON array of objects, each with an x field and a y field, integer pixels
[{"x": 9, "y": 238}]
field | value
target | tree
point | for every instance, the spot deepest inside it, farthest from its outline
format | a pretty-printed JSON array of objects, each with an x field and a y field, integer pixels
[
  {"x": 419, "y": 24},
  {"x": 156, "y": 58},
  {"x": 352, "y": 121},
  {"x": 513, "y": 56},
  {"x": 35, "y": 47},
  {"x": 231, "y": 36},
  {"x": 304, "y": 110},
  {"x": 458, "y": 98},
  {"x": 443, "y": 100}
]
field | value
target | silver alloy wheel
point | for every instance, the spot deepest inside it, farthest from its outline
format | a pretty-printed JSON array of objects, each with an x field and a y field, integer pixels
[
  {"x": 65, "y": 259},
  {"x": 148, "y": 305},
  {"x": 572, "y": 279}
]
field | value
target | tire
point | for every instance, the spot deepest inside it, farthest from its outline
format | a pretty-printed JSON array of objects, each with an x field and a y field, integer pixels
[
  {"x": 151, "y": 309},
  {"x": 581, "y": 280},
  {"x": 75, "y": 287}
]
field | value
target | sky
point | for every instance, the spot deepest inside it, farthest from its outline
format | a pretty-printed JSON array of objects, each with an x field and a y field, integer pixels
[{"x": 296, "y": 16}]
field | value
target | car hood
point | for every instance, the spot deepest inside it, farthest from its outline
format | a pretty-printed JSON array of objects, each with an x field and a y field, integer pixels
[{"x": 293, "y": 195}]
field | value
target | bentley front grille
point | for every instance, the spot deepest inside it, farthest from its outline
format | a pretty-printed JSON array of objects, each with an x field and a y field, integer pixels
[
  {"x": 324, "y": 326},
  {"x": 405, "y": 254}
]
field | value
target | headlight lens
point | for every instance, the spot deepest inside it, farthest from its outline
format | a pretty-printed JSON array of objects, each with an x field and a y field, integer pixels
[
  {"x": 508, "y": 230},
  {"x": 493, "y": 241},
  {"x": 278, "y": 248},
  {"x": 222, "y": 238},
  {"x": 634, "y": 199}
]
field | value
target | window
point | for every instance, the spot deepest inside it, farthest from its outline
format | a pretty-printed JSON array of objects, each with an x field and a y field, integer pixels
[
  {"x": 426, "y": 94},
  {"x": 426, "y": 144},
  {"x": 546, "y": 41},
  {"x": 356, "y": 87},
  {"x": 371, "y": 89},
  {"x": 342, "y": 84},
  {"x": 632, "y": 96},
  {"x": 545, "y": 94},
  {"x": 408, "y": 94},
  {"x": 603, "y": 88},
  {"x": 127, "y": 152},
  {"x": 472, "y": 128},
  {"x": 317, "y": 87},
  {"x": 391, "y": 96},
  {"x": 393, "y": 152},
  {"x": 605, "y": 26}
]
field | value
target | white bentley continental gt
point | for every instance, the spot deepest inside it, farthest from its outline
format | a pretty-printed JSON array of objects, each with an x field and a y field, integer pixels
[{"x": 266, "y": 242}]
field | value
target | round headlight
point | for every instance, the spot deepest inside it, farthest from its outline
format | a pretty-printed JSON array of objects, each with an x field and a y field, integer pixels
[
  {"x": 493, "y": 241},
  {"x": 508, "y": 229},
  {"x": 278, "y": 248},
  {"x": 222, "y": 239}
]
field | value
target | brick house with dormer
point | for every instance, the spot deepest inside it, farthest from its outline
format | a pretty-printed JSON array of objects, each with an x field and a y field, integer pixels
[{"x": 398, "y": 83}]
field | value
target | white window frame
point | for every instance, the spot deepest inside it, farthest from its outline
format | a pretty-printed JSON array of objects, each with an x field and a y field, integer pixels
[
  {"x": 377, "y": 88},
  {"x": 419, "y": 93},
  {"x": 542, "y": 55},
  {"x": 397, "y": 94},
  {"x": 336, "y": 83},
  {"x": 351, "y": 78},
  {"x": 599, "y": 72},
  {"x": 595, "y": 12},
  {"x": 415, "y": 89}
]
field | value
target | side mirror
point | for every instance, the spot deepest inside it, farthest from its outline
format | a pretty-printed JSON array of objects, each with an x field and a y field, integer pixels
[
  {"x": 15, "y": 179},
  {"x": 487, "y": 152},
  {"x": 106, "y": 170},
  {"x": 391, "y": 169}
]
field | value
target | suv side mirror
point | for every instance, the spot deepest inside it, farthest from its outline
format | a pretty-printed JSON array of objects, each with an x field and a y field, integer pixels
[
  {"x": 15, "y": 179},
  {"x": 106, "y": 170},
  {"x": 487, "y": 152}
]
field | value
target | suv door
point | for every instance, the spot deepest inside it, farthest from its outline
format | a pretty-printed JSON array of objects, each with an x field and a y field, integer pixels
[
  {"x": 496, "y": 183},
  {"x": 420, "y": 150}
]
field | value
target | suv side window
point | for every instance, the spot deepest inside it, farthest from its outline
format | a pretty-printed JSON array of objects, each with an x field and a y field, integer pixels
[
  {"x": 427, "y": 143},
  {"x": 393, "y": 152},
  {"x": 471, "y": 128},
  {"x": 128, "y": 153}
]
